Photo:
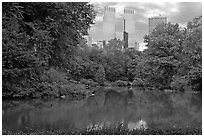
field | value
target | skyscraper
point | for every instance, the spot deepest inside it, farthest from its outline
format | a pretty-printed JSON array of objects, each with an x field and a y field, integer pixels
[
  {"x": 155, "y": 21},
  {"x": 125, "y": 36},
  {"x": 109, "y": 23},
  {"x": 130, "y": 26}
]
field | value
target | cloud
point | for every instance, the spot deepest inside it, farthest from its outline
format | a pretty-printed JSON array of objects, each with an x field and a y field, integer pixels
[{"x": 187, "y": 11}]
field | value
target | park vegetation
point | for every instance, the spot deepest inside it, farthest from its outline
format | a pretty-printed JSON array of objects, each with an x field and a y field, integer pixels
[{"x": 45, "y": 55}]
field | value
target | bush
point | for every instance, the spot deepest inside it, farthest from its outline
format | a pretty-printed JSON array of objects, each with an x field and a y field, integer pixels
[
  {"x": 55, "y": 83},
  {"x": 120, "y": 83},
  {"x": 89, "y": 82},
  {"x": 100, "y": 75},
  {"x": 45, "y": 90},
  {"x": 179, "y": 83},
  {"x": 55, "y": 75},
  {"x": 137, "y": 82}
]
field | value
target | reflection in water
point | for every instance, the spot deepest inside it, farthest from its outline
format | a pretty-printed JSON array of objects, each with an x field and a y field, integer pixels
[
  {"x": 147, "y": 110},
  {"x": 141, "y": 125},
  {"x": 95, "y": 127},
  {"x": 137, "y": 125}
]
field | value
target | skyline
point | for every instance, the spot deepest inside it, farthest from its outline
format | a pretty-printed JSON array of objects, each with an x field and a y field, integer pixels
[{"x": 176, "y": 12}]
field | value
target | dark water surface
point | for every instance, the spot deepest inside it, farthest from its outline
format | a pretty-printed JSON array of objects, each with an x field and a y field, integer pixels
[{"x": 152, "y": 109}]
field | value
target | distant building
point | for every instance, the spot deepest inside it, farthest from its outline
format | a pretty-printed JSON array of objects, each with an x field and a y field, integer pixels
[
  {"x": 88, "y": 40},
  {"x": 104, "y": 43},
  {"x": 155, "y": 21},
  {"x": 125, "y": 39},
  {"x": 130, "y": 26},
  {"x": 100, "y": 44},
  {"x": 119, "y": 35},
  {"x": 137, "y": 46},
  {"x": 109, "y": 23}
]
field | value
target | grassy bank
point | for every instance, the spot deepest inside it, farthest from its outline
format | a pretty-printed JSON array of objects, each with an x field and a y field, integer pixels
[
  {"x": 53, "y": 83},
  {"x": 115, "y": 131}
]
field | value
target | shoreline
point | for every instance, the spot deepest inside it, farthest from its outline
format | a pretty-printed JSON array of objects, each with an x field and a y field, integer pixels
[{"x": 106, "y": 131}]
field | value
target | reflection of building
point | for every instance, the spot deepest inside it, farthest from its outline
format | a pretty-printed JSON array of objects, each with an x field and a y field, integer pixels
[
  {"x": 130, "y": 26},
  {"x": 155, "y": 21},
  {"x": 109, "y": 23}
]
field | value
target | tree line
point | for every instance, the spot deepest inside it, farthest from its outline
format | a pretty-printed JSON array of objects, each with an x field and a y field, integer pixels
[{"x": 43, "y": 53}]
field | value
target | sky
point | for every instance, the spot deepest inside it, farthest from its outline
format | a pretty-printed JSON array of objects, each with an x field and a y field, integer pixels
[{"x": 176, "y": 12}]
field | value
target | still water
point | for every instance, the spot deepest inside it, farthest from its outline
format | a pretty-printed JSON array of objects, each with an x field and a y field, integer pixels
[{"x": 147, "y": 109}]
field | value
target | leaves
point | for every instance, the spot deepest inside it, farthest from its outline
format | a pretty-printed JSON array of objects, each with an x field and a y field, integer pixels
[
  {"x": 37, "y": 36},
  {"x": 173, "y": 52}
]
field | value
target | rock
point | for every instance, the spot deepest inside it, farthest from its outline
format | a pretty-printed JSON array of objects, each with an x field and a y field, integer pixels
[{"x": 62, "y": 97}]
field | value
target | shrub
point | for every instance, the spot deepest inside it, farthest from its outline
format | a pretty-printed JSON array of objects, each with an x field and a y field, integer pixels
[
  {"x": 137, "y": 82},
  {"x": 46, "y": 89},
  {"x": 100, "y": 75},
  {"x": 55, "y": 83},
  {"x": 89, "y": 82},
  {"x": 179, "y": 83},
  {"x": 120, "y": 83},
  {"x": 55, "y": 75}
]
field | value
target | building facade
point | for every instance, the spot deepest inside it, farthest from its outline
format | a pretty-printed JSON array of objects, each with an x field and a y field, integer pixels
[
  {"x": 130, "y": 26},
  {"x": 109, "y": 31},
  {"x": 155, "y": 21},
  {"x": 119, "y": 35}
]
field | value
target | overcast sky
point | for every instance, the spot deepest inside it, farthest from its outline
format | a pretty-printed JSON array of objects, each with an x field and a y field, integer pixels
[{"x": 176, "y": 12}]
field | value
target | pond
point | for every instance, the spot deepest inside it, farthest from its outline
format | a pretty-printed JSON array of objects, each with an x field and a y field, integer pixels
[{"x": 146, "y": 109}]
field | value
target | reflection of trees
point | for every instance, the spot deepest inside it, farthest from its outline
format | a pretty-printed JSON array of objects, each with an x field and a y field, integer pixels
[{"x": 169, "y": 110}]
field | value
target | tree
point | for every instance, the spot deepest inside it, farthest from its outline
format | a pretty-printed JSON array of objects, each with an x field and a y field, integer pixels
[
  {"x": 37, "y": 36},
  {"x": 113, "y": 46},
  {"x": 100, "y": 75},
  {"x": 173, "y": 58},
  {"x": 19, "y": 58},
  {"x": 132, "y": 65},
  {"x": 192, "y": 53},
  {"x": 116, "y": 61},
  {"x": 164, "y": 46}
]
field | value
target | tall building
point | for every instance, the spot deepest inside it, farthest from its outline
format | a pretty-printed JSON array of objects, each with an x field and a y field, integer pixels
[
  {"x": 155, "y": 21},
  {"x": 109, "y": 23},
  {"x": 130, "y": 26},
  {"x": 137, "y": 46},
  {"x": 125, "y": 36}
]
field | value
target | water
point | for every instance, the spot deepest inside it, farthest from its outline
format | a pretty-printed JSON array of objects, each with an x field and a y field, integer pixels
[{"x": 147, "y": 110}]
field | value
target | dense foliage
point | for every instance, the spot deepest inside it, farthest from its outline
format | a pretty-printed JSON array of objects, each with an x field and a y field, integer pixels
[
  {"x": 38, "y": 36},
  {"x": 43, "y": 50},
  {"x": 174, "y": 56}
]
